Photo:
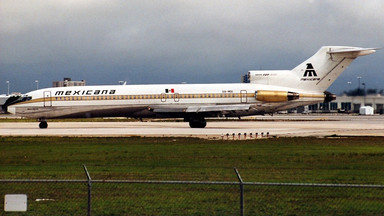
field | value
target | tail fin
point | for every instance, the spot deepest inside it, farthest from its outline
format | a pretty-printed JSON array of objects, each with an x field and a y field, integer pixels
[{"x": 319, "y": 71}]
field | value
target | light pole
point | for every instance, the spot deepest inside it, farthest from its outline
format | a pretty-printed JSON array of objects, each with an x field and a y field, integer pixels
[
  {"x": 364, "y": 92},
  {"x": 8, "y": 87},
  {"x": 349, "y": 84},
  {"x": 358, "y": 78},
  {"x": 37, "y": 84}
]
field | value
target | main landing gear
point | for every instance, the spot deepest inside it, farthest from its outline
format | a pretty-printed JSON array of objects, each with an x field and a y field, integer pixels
[
  {"x": 43, "y": 124},
  {"x": 197, "y": 122}
]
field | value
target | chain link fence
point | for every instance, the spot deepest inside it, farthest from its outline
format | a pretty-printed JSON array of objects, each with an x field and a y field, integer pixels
[{"x": 129, "y": 197}]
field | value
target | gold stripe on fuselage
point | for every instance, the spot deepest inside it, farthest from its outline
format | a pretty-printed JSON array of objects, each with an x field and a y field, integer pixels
[{"x": 141, "y": 97}]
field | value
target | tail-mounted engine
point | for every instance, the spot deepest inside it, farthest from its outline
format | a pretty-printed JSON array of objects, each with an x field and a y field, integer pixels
[
  {"x": 328, "y": 97},
  {"x": 276, "y": 96}
]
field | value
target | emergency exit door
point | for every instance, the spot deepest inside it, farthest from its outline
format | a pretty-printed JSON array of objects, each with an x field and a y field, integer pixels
[
  {"x": 47, "y": 99},
  {"x": 243, "y": 96}
]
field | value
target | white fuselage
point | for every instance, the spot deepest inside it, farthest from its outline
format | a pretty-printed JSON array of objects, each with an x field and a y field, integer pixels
[{"x": 170, "y": 100}]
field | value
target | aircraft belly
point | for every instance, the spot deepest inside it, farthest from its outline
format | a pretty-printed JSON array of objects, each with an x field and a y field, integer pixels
[{"x": 77, "y": 111}]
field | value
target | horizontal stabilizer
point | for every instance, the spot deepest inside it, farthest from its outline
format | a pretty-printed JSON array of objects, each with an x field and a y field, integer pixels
[{"x": 355, "y": 51}]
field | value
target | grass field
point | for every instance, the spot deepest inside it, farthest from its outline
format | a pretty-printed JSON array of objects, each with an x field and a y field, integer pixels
[
  {"x": 329, "y": 160},
  {"x": 356, "y": 160}
]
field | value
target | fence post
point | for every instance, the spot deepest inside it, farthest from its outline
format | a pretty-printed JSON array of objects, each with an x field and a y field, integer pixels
[
  {"x": 241, "y": 192},
  {"x": 89, "y": 189}
]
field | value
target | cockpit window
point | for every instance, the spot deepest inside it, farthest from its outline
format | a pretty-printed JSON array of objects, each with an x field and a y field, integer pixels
[{"x": 17, "y": 99}]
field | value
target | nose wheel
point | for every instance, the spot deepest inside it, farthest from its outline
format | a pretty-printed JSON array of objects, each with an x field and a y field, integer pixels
[{"x": 43, "y": 125}]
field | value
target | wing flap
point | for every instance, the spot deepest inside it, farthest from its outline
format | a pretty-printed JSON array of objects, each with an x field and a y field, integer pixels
[{"x": 168, "y": 110}]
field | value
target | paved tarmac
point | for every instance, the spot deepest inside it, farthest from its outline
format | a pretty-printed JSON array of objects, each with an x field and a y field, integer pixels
[{"x": 280, "y": 126}]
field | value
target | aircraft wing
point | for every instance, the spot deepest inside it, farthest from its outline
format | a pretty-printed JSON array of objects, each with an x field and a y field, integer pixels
[
  {"x": 218, "y": 108},
  {"x": 202, "y": 109}
]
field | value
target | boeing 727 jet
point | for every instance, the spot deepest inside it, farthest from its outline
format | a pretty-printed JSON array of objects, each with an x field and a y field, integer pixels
[{"x": 268, "y": 91}]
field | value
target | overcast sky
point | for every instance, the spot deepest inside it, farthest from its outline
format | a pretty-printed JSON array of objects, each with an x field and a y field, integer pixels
[{"x": 105, "y": 41}]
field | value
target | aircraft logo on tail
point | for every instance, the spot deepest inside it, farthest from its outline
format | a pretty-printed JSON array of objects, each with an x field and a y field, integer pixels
[{"x": 310, "y": 71}]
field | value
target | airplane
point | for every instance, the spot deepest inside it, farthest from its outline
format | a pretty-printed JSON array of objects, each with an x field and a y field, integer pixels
[{"x": 268, "y": 91}]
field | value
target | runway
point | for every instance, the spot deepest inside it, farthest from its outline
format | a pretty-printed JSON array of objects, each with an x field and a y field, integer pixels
[{"x": 276, "y": 126}]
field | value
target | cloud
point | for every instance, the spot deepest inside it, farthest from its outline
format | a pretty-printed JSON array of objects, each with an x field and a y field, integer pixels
[{"x": 203, "y": 36}]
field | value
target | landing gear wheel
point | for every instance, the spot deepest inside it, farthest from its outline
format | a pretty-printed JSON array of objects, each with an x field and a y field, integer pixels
[
  {"x": 43, "y": 125},
  {"x": 197, "y": 123}
]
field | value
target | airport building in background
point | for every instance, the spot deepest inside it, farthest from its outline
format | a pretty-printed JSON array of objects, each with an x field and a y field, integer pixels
[
  {"x": 68, "y": 82},
  {"x": 345, "y": 104}
]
